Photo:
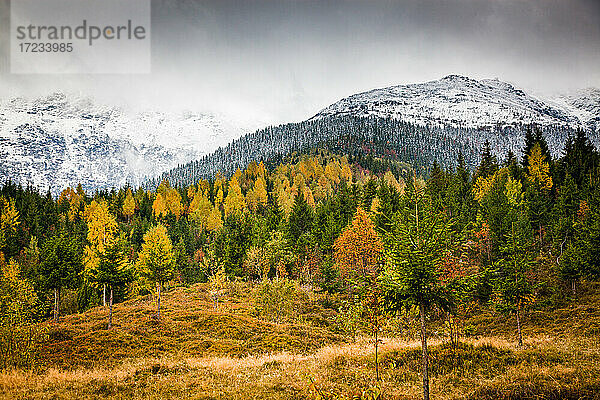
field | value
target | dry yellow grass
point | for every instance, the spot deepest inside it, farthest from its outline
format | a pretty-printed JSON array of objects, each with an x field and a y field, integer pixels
[{"x": 343, "y": 368}]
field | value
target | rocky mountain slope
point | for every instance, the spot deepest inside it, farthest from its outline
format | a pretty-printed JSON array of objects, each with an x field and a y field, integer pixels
[
  {"x": 58, "y": 141},
  {"x": 459, "y": 101}
]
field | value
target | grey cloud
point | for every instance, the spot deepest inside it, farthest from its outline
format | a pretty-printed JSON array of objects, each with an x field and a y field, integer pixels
[{"x": 284, "y": 60}]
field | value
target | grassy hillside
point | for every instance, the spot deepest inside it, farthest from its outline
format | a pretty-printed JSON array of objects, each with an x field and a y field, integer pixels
[
  {"x": 197, "y": 352},
  {"x": 190, "y": 326}
]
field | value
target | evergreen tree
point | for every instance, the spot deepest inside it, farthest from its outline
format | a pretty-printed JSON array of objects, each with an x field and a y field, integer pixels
[
  {"x": 580, "y": 158},
  {"x": 419, "y": 239},
  {"x": 489, "y": 162},
  {"x": 113, "y": 271},
  {"x": 514, "y": 289},
  {"x": 299, "y": 222},
  {"x": 60, "y": 267}
]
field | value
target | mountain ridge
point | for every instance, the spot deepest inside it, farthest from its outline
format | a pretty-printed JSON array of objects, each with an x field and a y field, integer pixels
[
  {"x": 59, "y": 140},
  {"x": 458, "y": 100}
]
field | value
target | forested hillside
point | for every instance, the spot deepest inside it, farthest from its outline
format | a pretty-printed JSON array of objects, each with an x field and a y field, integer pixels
[{"x": 387, "y": 138}]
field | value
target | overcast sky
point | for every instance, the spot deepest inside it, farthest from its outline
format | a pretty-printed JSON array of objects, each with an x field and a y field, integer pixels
[{"x": 280, "y": 61}]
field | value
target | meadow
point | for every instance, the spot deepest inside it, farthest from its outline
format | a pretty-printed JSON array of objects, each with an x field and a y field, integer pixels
[{"x": 199, "y": 352}]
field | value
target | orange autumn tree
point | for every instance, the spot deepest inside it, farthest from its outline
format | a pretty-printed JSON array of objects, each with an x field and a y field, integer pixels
[
  {"x": 358, "y": 250},
  {"x": 358, "y": 253}
]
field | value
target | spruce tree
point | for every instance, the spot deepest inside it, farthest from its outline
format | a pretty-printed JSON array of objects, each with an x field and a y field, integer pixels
[
  {"x": 489, "y": 162},
  {"x": 60, "y": 267},
  {"x": 113, "y": 271},
  {"x": 513, "y": 287},
  {"x": 419, "y": 239},
  {"x": 299, "y": 222}
]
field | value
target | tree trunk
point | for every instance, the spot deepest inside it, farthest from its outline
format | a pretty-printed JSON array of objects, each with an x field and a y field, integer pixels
[
  {"x": 110, "y": 304},
  {"x": 376, "y": 348},
  {"x": 573, "y": 282},
  {"x": 159, "y": 288},
  {"x": 56, "y": 303},
  {"x": 425, "y": 359},
  {"x": 104, "y": 295},
  {"x": 519, "y": 328}
]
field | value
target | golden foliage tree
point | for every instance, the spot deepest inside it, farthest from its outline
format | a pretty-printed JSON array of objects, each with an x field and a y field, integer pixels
[
  {"x": 168, "y": 200},
  {"x": 157, "y": 259},
  {"x": 159, "y": 206},
  {"x": 199, "y": 210},
  {"x": 128, "y": 205},
  {"x": 260, "y": 191},
  {"x": 9, "y": 219},
  {"x": 214, "y": 221},
  {"x": 74, "y": 199},
  {"x": 102, "y": 229},
  {"x": 235, "y": 201},
  {"x": 538, "y": 169}
]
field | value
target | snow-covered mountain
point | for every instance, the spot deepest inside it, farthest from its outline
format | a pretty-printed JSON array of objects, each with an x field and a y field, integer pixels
[
  {"x": 584, "y": 104},
  {"x": 460, "y": 101},
  {"x": 59, "y": 141},
  {"x": 418, "y": 123}
]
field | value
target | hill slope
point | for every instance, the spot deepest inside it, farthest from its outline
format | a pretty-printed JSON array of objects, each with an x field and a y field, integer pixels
[
  {"x": 190, "y": 327},
  {"x": 202, "y": 354}
]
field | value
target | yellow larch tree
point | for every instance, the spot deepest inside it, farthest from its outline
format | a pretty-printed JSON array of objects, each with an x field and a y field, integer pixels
[
  {"x": 129, "y": 205},
  {"x": 156, "y": 259},
  {"x": 235, "y": 201},
  {"x": 9, "y": 219},
  {"x": 214, "y": 221},
  {"x": 159, "y": 206},
  {"x": 199, "y": 210},
  {"x": 102, "y": 229},
  {"x": 538, "y": 169},
  {"x": 75, "y": 200}
]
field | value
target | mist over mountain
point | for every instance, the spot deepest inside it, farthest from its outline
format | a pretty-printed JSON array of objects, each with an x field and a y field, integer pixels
[{"x": 62, "y": 140}]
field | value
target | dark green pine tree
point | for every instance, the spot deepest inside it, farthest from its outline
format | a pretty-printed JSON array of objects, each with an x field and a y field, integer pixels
[
  {"x": 565, "y": 212},
  {"x": 514, "y": 289},
  {"x": 437, "y": 183},
  {"x": 419, "y": 239},
  {"x": 460, "y": 202},
  {"x": 300, "y": 223},
  {"x": 580, "y": 158},
  {"x": 369, "y": 193},
  {"x": 531, "y": 138},
  {"x": 516, "y": 171},
  {"x": 389, "y": 203},
  {"x": 489, "y": 162},
  {"x": 61, "y": 266},
  {"x": 114, "y": 270},
  {"x": 584, "y": 257}
]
